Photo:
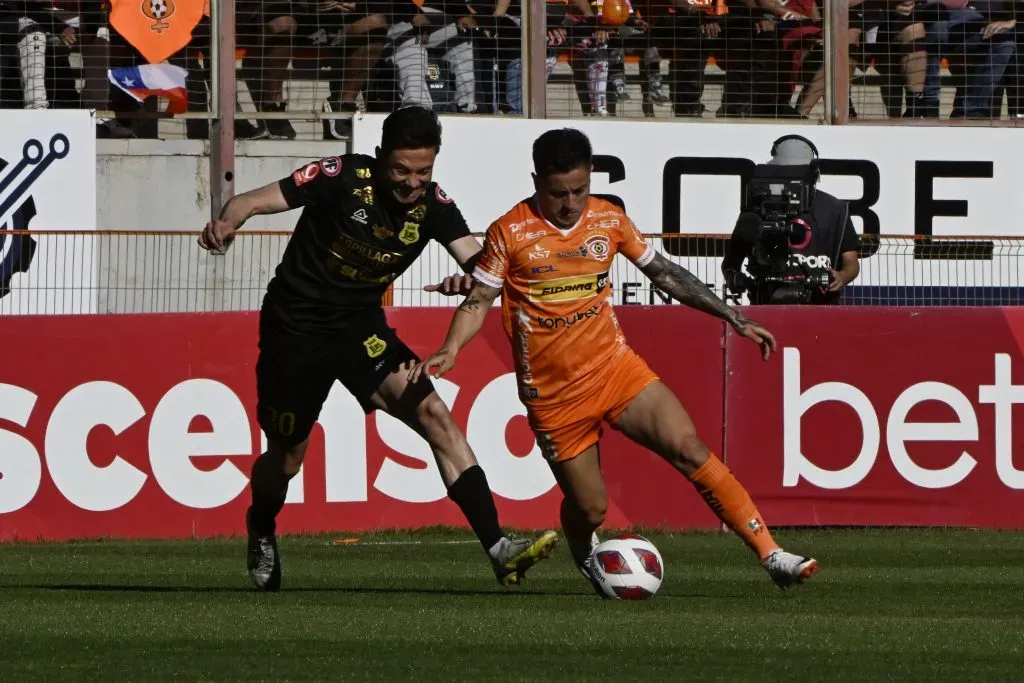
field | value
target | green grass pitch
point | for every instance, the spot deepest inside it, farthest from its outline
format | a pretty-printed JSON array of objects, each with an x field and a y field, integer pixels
[{"x": 894, "y": 605}]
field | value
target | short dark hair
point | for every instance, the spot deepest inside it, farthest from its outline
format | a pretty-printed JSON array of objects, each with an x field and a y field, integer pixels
[
  {"x": 412, "y": 127},
  {"x": 560, "y": 151}
]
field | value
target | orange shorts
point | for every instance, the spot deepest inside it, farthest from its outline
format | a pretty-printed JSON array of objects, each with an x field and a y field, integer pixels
[{"x": 565, "y": 430}]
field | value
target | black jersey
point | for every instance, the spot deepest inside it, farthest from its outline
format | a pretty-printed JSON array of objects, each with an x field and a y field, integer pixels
[{"x": 352, "y": 241}]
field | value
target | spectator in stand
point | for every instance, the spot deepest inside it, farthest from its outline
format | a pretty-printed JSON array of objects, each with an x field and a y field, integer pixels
[
  {"x": 265, "y": 31},
  {"x": 979, "y": 43},
  {"x": 687, "y": 32},
  {"x": 353, "y": 36},
  {"x": 1014, "y": 69},
  {"x": 560, "y": 21},
  {"x": 797, "y": 31},
  {"x": 37, "y": 35},
  {"x": 813, "y": 65},
  {"x": 442, "y": 25}
]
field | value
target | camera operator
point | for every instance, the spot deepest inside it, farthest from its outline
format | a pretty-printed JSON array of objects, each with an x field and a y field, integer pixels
[{"x": 798, "y": 242}]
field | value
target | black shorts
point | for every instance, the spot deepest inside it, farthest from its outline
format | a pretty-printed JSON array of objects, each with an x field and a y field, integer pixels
[{"x": 295, "y": 372}]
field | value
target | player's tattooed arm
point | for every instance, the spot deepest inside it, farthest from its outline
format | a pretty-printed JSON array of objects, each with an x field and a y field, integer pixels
[
  {"x": 686, "y": 288},
  {"x": 467, "y": 321}
]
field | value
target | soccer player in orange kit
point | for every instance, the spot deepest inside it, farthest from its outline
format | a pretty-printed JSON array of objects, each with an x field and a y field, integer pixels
[{"x": 549, "y": 258}]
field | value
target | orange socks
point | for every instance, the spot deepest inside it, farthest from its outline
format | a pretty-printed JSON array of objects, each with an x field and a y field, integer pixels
[{"x": 731, "y": 502}]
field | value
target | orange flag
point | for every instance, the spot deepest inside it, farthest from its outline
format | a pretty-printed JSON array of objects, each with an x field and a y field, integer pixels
[{"x": 156, "y": 28}]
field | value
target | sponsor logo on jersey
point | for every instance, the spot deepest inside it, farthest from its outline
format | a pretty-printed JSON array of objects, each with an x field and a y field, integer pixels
[
  {"x": 598, "y": 246},
  {"x": 375, "y": 346},
  {"x": 516, "y": 227},
  {"x": 569, "y": 320},
  {"x": 363, "y": 173},
  {"x": 346, "y": 251},
  {"x": 568, "y": 288},
  {"x": 537, "y": 254},
  {"x": 360, "y": 216},
  {"x": 530, "y": 235},
  {"x": 331, "y": 166},
  {"x": 418, "y": 212},
  {"x": 441, "y": 196},
  {"x": 381, "y": 232},
  {"x": 578, "y": 252},
  {"x": 543, "y": 269},
  {"x": 410, "y": 233},
  {"x": 305, "y": 174},
  {"x": 365, "y": 194}
]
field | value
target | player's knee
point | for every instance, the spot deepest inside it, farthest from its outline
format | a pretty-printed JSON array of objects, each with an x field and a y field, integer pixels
[
  {"x": 686, "y": 448},
  {"x": 289, "y": 454},
  {"x": 437, "y": 422}
]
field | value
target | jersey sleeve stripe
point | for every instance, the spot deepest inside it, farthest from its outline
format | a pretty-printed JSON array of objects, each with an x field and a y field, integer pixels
[
  {"x": 645, "y": 257},
  {"x": 488, "y": 279}
]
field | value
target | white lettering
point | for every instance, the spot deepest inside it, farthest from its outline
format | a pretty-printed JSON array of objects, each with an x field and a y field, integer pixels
[
  {"x": 796, "y": 403},
  {"x": 413, "y": 485},
  {"x": 898, "y": 431},
  {"x": 1003, "y": 393},
  {"x": 21, "y": 470},
  {"x": 74, "y": 417},
  {"x": 344, "y": 425},
  {"x": 172, "y": 446},
  {"x": 509, "y": 476}
]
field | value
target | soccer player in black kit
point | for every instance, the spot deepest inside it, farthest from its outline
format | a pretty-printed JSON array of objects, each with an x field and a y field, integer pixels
[{"x": 364, "y": 221}]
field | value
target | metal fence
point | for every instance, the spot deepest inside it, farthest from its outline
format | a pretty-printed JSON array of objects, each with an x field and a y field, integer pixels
[
  {"x": 166, "y": 272},
  {"x": 301, "y": 68}
]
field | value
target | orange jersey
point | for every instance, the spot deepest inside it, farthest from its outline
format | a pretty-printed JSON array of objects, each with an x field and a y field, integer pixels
[{"x": 556, "y": 295}]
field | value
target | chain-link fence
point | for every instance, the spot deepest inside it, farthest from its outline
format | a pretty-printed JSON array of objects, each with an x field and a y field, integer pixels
[
  {"x": 164, "y": 272},
  {"x": 304, "y": 66}
]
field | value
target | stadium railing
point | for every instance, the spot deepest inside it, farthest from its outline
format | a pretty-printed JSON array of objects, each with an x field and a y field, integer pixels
[
  {"x": 77, "y": 272},
  {"x": 873, "y": 63}
]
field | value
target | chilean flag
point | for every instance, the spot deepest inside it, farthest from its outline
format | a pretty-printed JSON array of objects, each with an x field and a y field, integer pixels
[{"x": 147, "y": 80}]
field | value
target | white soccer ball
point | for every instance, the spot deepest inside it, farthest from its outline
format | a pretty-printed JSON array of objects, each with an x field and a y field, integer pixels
[{"x": 628, "y": 568}]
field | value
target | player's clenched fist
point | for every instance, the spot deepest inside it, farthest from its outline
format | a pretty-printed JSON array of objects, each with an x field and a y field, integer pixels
[
  {"x": 217, "y": 234},
  {"x": 435, "y": 366}
]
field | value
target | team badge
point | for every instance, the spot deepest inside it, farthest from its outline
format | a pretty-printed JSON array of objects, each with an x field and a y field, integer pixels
[
  {"x": 364, "y": 193},
  {"x": 410, "y": 233},
  {"x": 418, "y": 213},
  {"x": 305, "y": 174},
  {"x": 363, "y": 173},
  {"x": 375, "y": 346},
  {"x": 331, "y": 166},
  {"x": 382, "y": 233},
  {"x": 598, "y": 247}
]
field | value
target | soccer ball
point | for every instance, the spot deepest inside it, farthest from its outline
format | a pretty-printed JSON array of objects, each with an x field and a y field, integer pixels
[{"x": 628, "y": 568}]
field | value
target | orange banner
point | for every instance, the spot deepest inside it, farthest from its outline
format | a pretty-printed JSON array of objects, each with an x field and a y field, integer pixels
[{"x": 156, "y": 28}]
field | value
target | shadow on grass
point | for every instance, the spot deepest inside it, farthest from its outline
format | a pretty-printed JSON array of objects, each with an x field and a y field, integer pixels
[{"x": 355, "y": 590}]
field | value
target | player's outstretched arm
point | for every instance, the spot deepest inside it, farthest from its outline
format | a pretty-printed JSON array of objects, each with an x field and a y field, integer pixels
[
  {"x": 264, "y": 200},
  {"x": 467, "y": 321},
  {"x": 686, "y": 288},
  {"x": 466, "y": 251}
]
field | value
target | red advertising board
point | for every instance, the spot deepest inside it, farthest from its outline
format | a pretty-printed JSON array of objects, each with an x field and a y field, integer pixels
[
  {"x": 143, "y": 426},
  {"x": 880, "y": 417}
]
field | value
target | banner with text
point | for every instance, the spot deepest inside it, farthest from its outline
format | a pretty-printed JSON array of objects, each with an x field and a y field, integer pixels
[
  {"x": 144, "y": 426},
  {"x": 689, "y": 178}
]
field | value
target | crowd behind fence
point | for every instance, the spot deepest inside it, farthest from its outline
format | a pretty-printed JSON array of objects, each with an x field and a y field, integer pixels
[
  {"x": 166, "y": 272},
  {"x": 303, "y": 67}
]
